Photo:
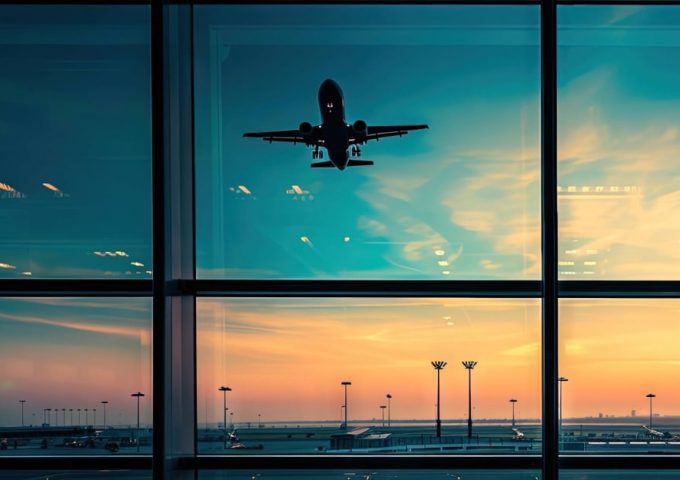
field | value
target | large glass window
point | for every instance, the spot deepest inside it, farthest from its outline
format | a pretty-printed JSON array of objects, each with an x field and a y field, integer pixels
[
  {"x": 457, "y": 200},
  {"x": 284, "y": 362},
  {"x": 618, "y": 105},
  {"x": 620, "y": 362},
  {"x": 75, "y": 189},
  {"x": 68, "y": 370}
]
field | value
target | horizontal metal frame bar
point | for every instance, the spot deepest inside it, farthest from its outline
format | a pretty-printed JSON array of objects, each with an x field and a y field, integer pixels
[
  {"x": 616, "y": 462},
  {"x": 76, "y": 462},
  {"x": 362, "y": 288},
  {"x": 412, "y": 462},
  {"x": 344, "y": 288},
  {"x": 75, "y": 288}
]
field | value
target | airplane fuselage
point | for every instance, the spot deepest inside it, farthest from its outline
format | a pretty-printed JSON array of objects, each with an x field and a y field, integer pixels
[{"x": 335, "y": 129}]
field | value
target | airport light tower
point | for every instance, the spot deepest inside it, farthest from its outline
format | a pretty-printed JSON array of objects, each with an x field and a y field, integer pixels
[
  {"x": 383, "y": 407},
  {"x": 346, "y": 384},
  {"x": 389, "y": 399},
  {"x": 22, "y": 411},
  {"x": 650, "y": 396},
  {"x": 224, "y": 391},
  {"x": 513, "y": 401},
  {"x": 561, "y": 380},
  {"x": 469, "y": 365},
  {"x": 104, "y": 403},
  {"x": 138, "y": 395},
  {"x": 439, "y": 366}
]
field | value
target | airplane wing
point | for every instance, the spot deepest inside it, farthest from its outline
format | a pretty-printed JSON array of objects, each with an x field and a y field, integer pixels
[
  {"x": 378, "y": 132},
  {"x": 289, "y": 136}
]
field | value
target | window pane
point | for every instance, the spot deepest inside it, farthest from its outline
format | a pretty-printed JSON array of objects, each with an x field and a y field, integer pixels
[
  {"x": 458, "y": 200},
  {"x": 76, "y": 474},
  {"x": 284, "y": 361},
  {"x": 618, "y": 474},
  {"x": 619, "y": 141},
  {"x": 68, "y": 368},
  {"x": 75, "y": 142},
  {"x": 615, "y": 353}
]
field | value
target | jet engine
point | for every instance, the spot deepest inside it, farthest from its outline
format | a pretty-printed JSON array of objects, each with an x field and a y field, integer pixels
[
  {"x": 305, "y": 128},
  {"x": 359, "y": 127}
]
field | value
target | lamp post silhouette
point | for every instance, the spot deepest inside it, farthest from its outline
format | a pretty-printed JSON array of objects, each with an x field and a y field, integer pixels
[
  {"x": 513, "y": 401},
  {"x": 138, "y": 395},
  {"x": 383, "y": 407},
  {"x": 438, "y": 365},
  {"x": 231, "y": 420},
  {"x": 63, "y": 412},
  {"x": 78, "y": 417},
  {"x": 71, "y": 410},
  {"x": 346, "y": 384},
  {"x": 561, "y": 380},
  {"x": 56, "y": 417},
  {"x": 22, "y": 411},
  {"x": 650, "y": 396},
  {"x": 342, "y": 413},
  {"x": 94, "y": 412},
  {"x": 469, "y": 365},
  {"x": 87, "y": 417},
  {"x": 224, "y": 391},
  {"x": 48, "y": 416},
  {"x": 389, "y": 416},
  {"x": 104, "y": 402},
  {"x": 259, "y": 421}
]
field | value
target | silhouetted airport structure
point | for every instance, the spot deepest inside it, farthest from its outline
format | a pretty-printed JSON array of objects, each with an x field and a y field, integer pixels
[
  {"x": 513, "y": 401},
  {"x": 389, "y": 400},
  {"x": 561, "y": 381},
  {"x": 651, "y": 396},
  {"x": 469, "y": 365},
  {"x": 438, "y": 366},
  {"x": 346, "y": 384},
  {"x": 224, "y": 391},
  {"x": 138, "y": 395}
]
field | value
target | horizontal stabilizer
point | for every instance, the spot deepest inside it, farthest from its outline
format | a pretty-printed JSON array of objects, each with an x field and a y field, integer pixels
[
  {"x": 359, "y": 163},
  {"x": 322, "y": 165}
]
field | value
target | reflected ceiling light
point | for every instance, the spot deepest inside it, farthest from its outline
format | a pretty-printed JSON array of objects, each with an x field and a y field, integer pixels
[
  {"x": 589, "y": 273},
  {"x": 346, "y": 239},
  {"x": 28, "y": 274},
  {"x": 121, "y": 254},
  {"x": 6, "y": 188},
  {"x": 149, "y": 272},
  {"x": 51, "y": 187},
  {"x": 445, "y": 272},
  {"x": 7, "y": 266},
  {"x": 448, "y": 317},
  {"x": 244, "y": 189},
  {"x": 137, "y": 264},
  {"x": 305, "y": 239},
  {"x": 439, "y": 253},
  {"x": 590, "y": 263},
  {"x": 565, "y": 263},
  {"x": 297, "y": 189},
  {"x": 443, "y": 263},
  {"x": 450, "y": 324},
  {"x": 591, "y": 251}
]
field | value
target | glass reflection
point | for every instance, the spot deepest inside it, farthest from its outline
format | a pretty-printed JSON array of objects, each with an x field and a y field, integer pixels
[
  {"x": 618, "y": 141},
  {"x": 621, "y": 362},
  {"x": 455, "y": 201},
  {"x": 371, "y": 475},
  {"x": 320, "y": 376},
  {"x": 75, "y": 137},
  {"x": 68, "y": 368}
]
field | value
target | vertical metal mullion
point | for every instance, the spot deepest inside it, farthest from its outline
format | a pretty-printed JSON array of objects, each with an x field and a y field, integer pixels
[
  {"x": 159, "y": 245},
  {"x": 550, "y": 464}
]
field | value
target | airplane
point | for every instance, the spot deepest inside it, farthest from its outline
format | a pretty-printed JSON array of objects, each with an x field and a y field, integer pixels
[
  {"x": 660, "y": 435},
  {"x": 518, "y": 435},
  {"x": 334, "y": 134}
]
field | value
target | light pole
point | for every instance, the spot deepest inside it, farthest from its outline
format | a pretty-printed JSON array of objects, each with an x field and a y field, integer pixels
[
  {"x": 87, "y": 417},
  {"x": 342, "y": 413},
  {"x": 561, "y": 380},
  {"x": 71, "y": 410},
  {"x": 513, "y": 401},
  {"x": 94, "y": 413},
  {"x": 259, "y": 421},
  {"x": 346, "y": 384},
  {"x": 138, "y": 395},
  {"x": 224, "y": 391},
  {"x": 49, "y": 415},
  {"x": 650, "y": 396},
  {"x": 389, "y": 416},
  {"x": 438, "y": 365},
  {"x": 469, "y": 365},
  {"x": 56, "y": 417},
  {"x": 22, "y": 411},
  {"x": 231, "y": 420},
  {"x": 104, "y": 402},
  {"x": 78, "y": 417},
  {"x": 383, "y": 407},
  {"x": 63, "y": 414}
]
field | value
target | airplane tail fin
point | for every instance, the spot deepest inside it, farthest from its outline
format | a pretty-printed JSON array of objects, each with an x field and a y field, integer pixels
[
  {"x": 322, "y": 165},
  {"x": 359, "y": 163}
]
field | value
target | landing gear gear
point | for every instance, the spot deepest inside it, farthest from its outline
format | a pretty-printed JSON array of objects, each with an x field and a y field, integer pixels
[
  {"x": 356, "y": 151},
  {"x": 316, "y": 153}
]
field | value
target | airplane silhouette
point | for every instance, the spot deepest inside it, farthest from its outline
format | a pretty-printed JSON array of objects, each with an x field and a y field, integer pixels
[{"x": 334, "y": 134}]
